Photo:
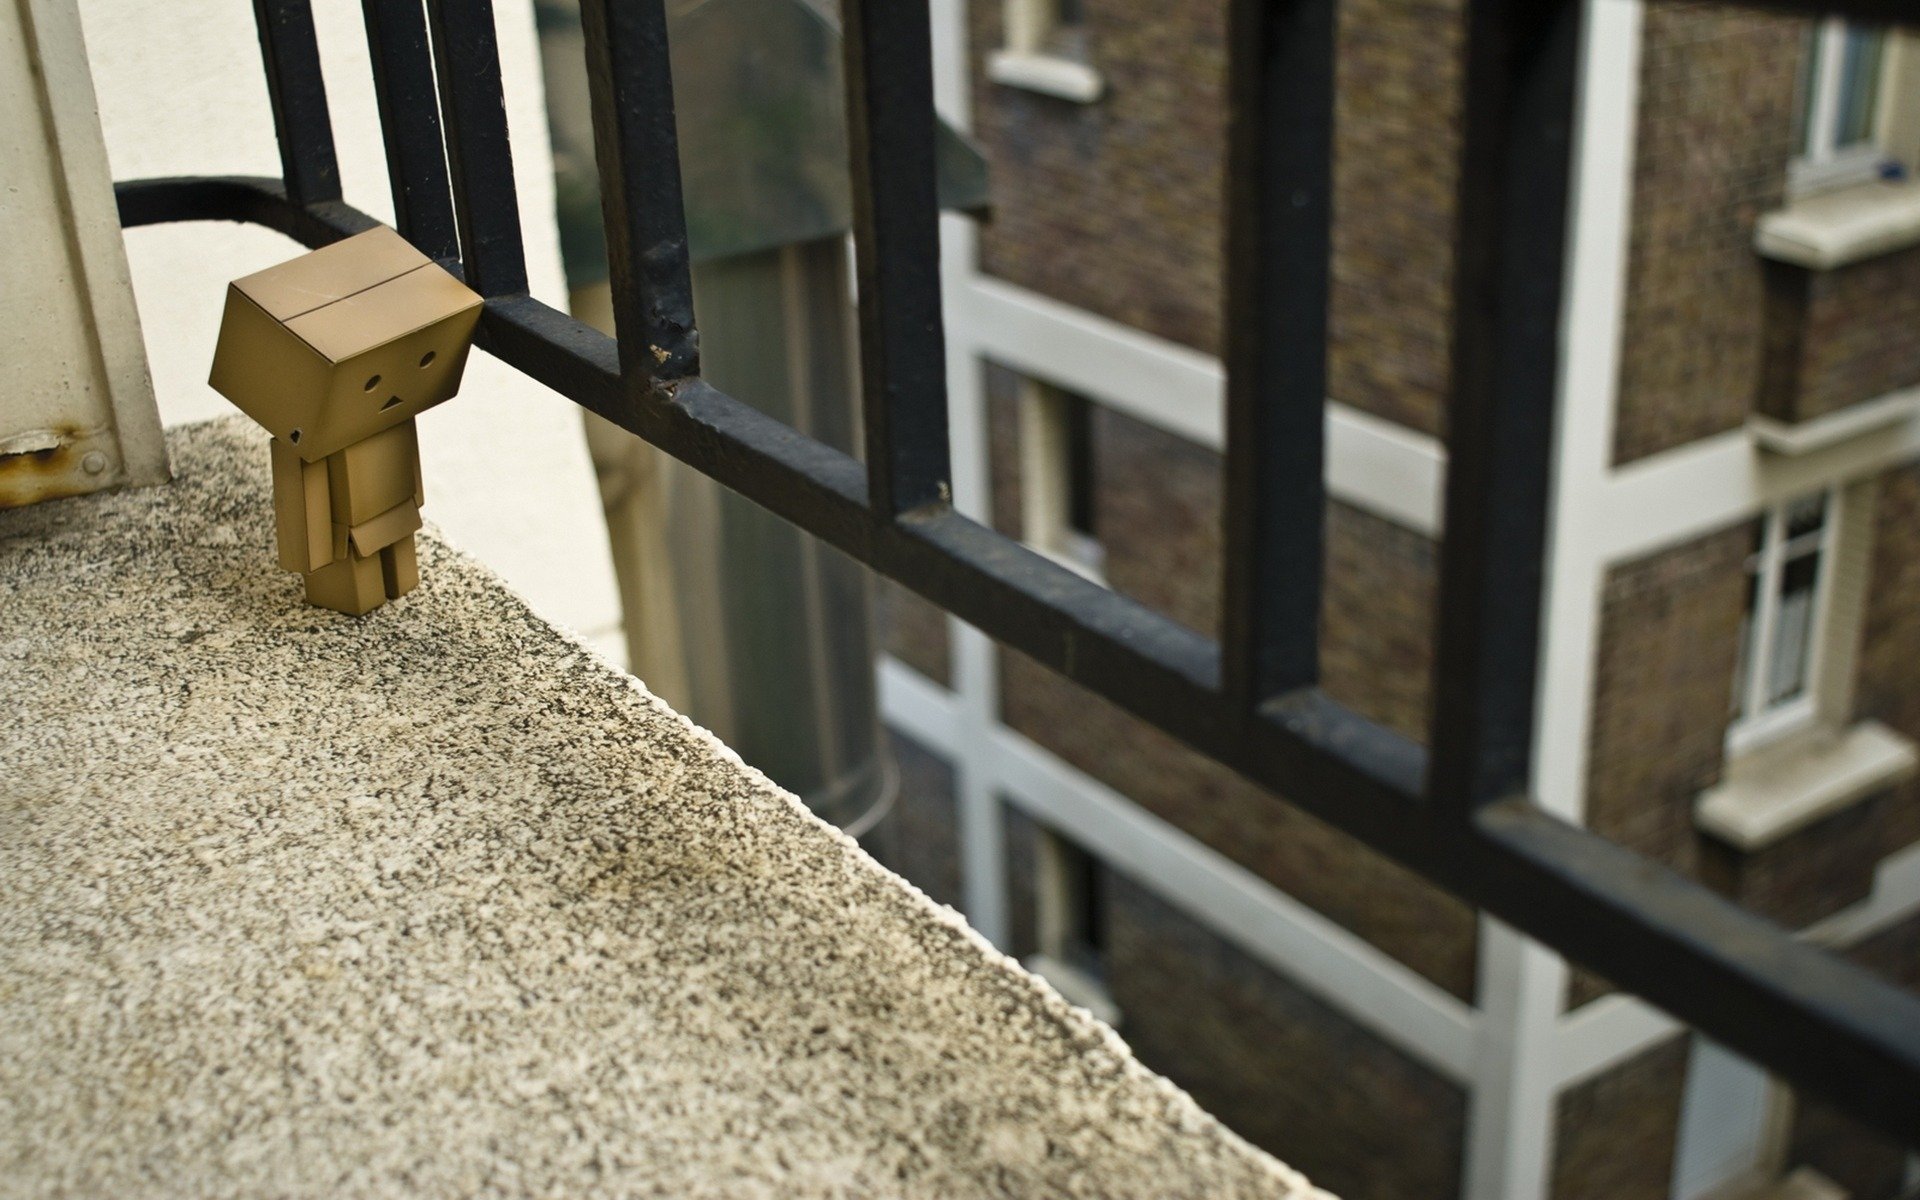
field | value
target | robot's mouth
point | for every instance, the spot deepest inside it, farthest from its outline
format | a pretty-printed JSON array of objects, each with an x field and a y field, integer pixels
[{"x": 391, "y": 401}]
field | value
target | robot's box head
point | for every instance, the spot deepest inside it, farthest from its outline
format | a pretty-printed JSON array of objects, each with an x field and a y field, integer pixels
[{"x": 344, "y": 342}]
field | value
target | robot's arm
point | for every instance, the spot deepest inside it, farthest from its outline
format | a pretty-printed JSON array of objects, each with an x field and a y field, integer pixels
[{"x": 303, "y": 511}]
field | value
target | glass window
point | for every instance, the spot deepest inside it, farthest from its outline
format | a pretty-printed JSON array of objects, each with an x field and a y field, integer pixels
[
  {"x": 1779, "y": 638},
  {"x": 1840, "y": 104},
  {"x": 1057, "y": 498}
]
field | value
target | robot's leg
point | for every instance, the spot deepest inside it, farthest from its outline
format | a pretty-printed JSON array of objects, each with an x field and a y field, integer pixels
[
  {"x": 350, "y": 585},
  {"x": 399, "y": 568}
]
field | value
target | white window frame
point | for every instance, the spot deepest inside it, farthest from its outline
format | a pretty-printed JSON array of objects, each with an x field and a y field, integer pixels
[
  {"x": 1032, "y": 58},
  {"x": 1047, "y": 483},
  {"x": 1822, "y": 163},
  {"x": 1757, "y": 723},
  {"x": 1734, "y": 1124},
  {"x": 1062, "y": 897}
]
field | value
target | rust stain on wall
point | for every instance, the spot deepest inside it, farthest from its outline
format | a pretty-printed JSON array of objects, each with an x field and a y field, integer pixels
[{"x": 48, "y": 465}]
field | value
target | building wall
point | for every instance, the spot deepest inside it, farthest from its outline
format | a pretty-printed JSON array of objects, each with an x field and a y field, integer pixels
[
  {"x": 1887, "y": 690},
  {"x": 1617, "y": 1131},
  {"x": 919, "y": 838},
  {"x": 1839, "y": 337},
  {"x": 1115, "y": 207},
  {"x": 1396, "y": 140},
  {"x": 1716, "y": 129}
]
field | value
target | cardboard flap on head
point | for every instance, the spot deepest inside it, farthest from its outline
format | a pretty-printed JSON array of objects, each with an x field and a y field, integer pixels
[
  {"x": 331, "y": 273},
  {"x": 389, "y": 310}
]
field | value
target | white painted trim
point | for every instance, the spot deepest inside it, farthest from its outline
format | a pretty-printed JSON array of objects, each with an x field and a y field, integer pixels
[
  {"x": 1604, "y": 1032},
  {"x": 1772, "y": 793},
  {"x": 1047, "y": 74},
  {"x": 1833, "y": 229},
  {"x": 1372, "y": 464},
  {"x": 1796, "y": 438},
  {"x": 1705, "y": 486},
  {"x": 1362, "y": 982}
]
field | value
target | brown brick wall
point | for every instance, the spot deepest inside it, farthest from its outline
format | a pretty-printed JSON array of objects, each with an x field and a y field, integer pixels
[
  {"x": 913, "y": 630},
  {"x": 1669, "y": 636},
  {"x": 1716, "y": 131},
  {"x": 1376, "y": 622},
  {"x": 1279, "y": 1066},
  {"x": 920, "y": 838},
  {"x": 1396, "y": 142},
  {"x": 1116, "y": 206},
  {"x": 1617, "y": 1131},
  {"x": 1839, "y": 337},
  {"x": 1812, "y": 872},
  {"x": 1887, "y": 688}
]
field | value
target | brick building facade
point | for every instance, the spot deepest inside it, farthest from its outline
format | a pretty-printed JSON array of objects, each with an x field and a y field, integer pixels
[{"x": 1729, "y": 677}]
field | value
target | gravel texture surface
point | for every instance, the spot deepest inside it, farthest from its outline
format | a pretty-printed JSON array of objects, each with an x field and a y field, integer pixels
[{"x": 433, "y": 902}]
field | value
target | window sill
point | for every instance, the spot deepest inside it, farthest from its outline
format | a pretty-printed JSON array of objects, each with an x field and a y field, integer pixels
[
  {"x": 1047, "y": 74},
  {"x": 1833, "y": 229},
  {"x": 1804, "y": 1184},
  {"x": 1787, "y": 786},
  {"x": 1795, "y": 438},
  {"x": 1076, "y": 987}
]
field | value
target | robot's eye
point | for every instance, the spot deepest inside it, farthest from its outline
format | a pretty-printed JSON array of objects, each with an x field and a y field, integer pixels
[
  {"x": 426, "y": 358},
  {"x": 294, "y": 437},
  {"x": 373, "y": 383}
]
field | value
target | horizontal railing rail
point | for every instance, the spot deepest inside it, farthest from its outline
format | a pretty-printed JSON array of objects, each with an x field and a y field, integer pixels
[{"x": 1457, "y": 813}]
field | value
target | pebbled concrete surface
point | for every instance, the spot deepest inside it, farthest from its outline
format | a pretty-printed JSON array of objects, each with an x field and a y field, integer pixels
[{"x": 434, "y": 903}]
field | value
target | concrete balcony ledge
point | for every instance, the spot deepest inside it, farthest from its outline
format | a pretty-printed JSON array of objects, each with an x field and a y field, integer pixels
[{"x": 433, "y": 902}]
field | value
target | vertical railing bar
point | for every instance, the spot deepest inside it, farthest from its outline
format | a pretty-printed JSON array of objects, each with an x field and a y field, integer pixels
[
  {"x": 403, "y": 86},
  {"x": 298, "y": 93},
  {"x": 1511, "y": 255},
  {"x": 479, "y": 154},
  {"x": 890, "y": 117},
  {"x": 1279, "y": 245},
  {"x": 636, "y": 147}
]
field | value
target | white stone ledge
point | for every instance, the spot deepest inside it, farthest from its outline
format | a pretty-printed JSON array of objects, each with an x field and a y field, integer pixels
[
  {"x": 1833, "y": 229},
  {"x": 1796, "y": 438},
  {"x": 1782, "y": 789},
  {"x": 433, "y": 902},
  {"x": 1048, "y": 74}
]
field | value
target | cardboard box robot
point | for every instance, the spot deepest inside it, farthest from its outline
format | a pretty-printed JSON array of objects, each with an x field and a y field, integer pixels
[{"x": 335, "y": 353}]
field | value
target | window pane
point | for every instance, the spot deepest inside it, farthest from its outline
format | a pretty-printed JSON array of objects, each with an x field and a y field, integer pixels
[
  {"x": 1793, "y": 630},
  {"x": 1806, "y": 515},
  {"x": 1742, "y": 666},
  {"x": 1859, "y": 86},
  {"x": 1811, "y": 142}
]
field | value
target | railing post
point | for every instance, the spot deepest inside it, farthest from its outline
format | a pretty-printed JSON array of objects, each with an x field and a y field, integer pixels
[
  {"x": 473, "y": 105},
  {"x": 1510, "y": 261},
  {"x": 630, "y": 81},
  {"x": 896, "y": 238},
  {"x": 299, "y": 97},
  {"x": 1279, "y": 247},
  {"x": 410, "y": 124}
]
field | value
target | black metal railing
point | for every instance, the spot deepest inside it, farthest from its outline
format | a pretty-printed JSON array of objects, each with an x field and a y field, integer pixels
[{"x": 1457, "y": 813}]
